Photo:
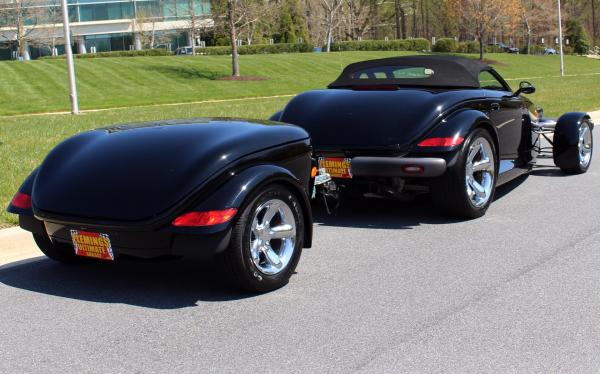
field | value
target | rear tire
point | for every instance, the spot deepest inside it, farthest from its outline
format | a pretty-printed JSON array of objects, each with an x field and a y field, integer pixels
[
  {"x": 467, "y": 189},
  {"x": 61, "y": 253},
  {"x": 266, "y": 241},
  {"x": 573, "y": 147}
]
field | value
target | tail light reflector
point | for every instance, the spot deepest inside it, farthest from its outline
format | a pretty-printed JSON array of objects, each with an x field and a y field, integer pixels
[
  {"x": 413, "y": 169},
  {"x": 21, "y": 201},
  {"x": 208, "y": 218},
  {"x": 442, "y": 142}
]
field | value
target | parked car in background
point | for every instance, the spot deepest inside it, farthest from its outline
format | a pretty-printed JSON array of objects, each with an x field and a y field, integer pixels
[
  {"x": 550, "y": 51},
  {"x": 184, "y": 51}
]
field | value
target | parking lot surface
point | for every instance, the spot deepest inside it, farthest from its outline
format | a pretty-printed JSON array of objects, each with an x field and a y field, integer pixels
[{"x": 387, "y": 287}]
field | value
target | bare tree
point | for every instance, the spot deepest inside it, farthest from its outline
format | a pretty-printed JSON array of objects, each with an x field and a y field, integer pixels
[
  {"x": 22, "y": 16},
  {"x": 482, "y": 15},
  {"x": 331, "y": 9},
  {"x": 235, "y": 16},
  {"x": 50, "y": 17}
]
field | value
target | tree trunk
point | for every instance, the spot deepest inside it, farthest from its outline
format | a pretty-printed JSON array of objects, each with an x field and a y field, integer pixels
[
  {"x": 594, "y": 26},
  {"x": 481, "y": 46},
  {"x": 414, "y": 25},
  {"x": 528, "y": 37},
  {"x": 235, "y": 64},
  {"x": 403, "y": 22},
  {"x": 329, "y": 32},
  {"x": 398, "y": 12}
]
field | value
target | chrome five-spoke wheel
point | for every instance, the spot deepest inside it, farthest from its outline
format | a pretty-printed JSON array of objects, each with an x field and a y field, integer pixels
[
  {"x": 273, "y": 236},
  {"x": 480, "y": 172},
  {"x": 585, "y": 145}
]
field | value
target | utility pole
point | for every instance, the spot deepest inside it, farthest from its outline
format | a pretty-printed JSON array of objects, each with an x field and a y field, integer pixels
[
  {"x": 70, "y": 64},
  {"x": 560, "y": 42}
]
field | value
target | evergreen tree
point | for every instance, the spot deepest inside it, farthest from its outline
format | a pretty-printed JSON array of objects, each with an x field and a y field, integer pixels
[
  {"x": 292, "y": 24},
  {"x": 287, "y": 29},
  {"x": 578, "y": 37}
]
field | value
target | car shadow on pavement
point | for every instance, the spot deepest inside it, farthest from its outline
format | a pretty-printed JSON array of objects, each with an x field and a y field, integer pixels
[
  {"x": 380, "y": 213},
  {"x": 393, "y": 214},
  {"x": 151, "y": 284}
]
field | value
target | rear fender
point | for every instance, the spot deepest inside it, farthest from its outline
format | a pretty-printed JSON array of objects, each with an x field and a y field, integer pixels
[
  {"x": 458, "y": 124},
  {"x": 235, "y": 192},
  {"x": 276, "y": 116}
]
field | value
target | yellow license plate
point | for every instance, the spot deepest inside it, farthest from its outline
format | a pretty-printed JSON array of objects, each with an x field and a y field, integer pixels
[
  {"x": 92, "y": 244},
  {"x": 337, "y": 167}
]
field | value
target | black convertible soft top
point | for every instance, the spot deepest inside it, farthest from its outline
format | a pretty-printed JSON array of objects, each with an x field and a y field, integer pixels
[{"x": 436, "y": 71}]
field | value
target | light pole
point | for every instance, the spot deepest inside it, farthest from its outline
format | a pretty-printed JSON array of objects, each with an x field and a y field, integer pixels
[
  {"x": 560, "y": 42},
  {"x": 70, "y": 64}
]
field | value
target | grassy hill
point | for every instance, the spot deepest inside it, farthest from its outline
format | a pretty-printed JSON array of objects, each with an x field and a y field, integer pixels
[{"x": 41, "y": 86}]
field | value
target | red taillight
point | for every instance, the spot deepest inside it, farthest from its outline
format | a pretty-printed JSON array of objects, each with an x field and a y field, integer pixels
[
  {"x": 209, "y": 218},
  {"x": 442, "y": 142},
  {"x": 21, "y": 201}
]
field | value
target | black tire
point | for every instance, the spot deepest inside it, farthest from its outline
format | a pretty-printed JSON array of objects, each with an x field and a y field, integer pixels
[
  {"x": 237, "y": 260},
  {"x": 450, "y": 191},
  {"x": 567, "y": 147},
  {"x": 61, "y": 253}
]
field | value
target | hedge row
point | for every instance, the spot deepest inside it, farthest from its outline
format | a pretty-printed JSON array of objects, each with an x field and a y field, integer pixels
[
  {"x": 143, "y": 52},
  {"x": 382, "y": 45},
  {"x": 449, "y": 45},
  {"x": 255, "y": 49}
]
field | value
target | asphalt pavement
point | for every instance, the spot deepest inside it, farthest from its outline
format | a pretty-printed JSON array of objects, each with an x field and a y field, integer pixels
[{"x": 387, "y": 287}]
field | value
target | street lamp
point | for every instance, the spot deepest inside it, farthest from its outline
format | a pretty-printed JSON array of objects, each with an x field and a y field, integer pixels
[
  {"x": 70, "y": 64},
  {"x": 560, "y": 42}
]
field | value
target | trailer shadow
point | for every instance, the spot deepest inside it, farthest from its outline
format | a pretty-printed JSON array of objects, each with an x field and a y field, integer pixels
[
  {"x": 393, "y": 214},
  {"x": 156, "y": 284}
]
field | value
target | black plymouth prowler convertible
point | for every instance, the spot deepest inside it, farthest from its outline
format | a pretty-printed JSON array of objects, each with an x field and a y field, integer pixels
[{"x": 441, "y": 124}]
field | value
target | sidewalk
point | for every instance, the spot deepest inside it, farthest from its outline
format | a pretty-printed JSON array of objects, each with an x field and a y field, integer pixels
[{"x": 17, "y": 244}]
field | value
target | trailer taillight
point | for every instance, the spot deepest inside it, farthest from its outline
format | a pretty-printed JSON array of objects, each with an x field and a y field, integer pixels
[
  {"x": 208, "y": 218},
  {"x": 21, "y": 200}
]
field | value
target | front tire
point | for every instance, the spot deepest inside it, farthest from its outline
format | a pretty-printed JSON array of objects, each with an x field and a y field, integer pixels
[
  {"x": 573, "y": 147},
  {"x": 266, "y": 241},
  {"x": 467, "y": 189}
]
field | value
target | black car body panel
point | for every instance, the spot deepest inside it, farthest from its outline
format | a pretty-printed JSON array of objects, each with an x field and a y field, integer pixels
[
  {"x": 131, "y": 181},
  {"x": 83, "y": 176}
]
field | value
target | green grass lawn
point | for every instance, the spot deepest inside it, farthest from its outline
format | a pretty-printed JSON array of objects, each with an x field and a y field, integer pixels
[{"x": 40, "y": 86}]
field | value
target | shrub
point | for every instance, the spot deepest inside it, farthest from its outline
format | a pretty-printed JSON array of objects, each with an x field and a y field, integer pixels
[
  {"x": 144, "y": 52},
  {"x": 254, "y": 49},
  {"x": 382, "y": 45},
  {"x": 446, "y": 45},
  {"x": 419, "y": 44},
  {"x": 534, "y": 49},
  {"x": 468, "y": 47}
]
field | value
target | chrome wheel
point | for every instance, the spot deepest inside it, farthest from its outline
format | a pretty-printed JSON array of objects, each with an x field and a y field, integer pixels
[
  {"x": 273, "y": 236},
  {"x": 585, "y": 145},
  {"x": 480, "y": 172}
]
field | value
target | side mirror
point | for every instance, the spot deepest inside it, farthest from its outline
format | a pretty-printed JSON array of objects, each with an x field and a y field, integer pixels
[{"x": 525, "y": 88}]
